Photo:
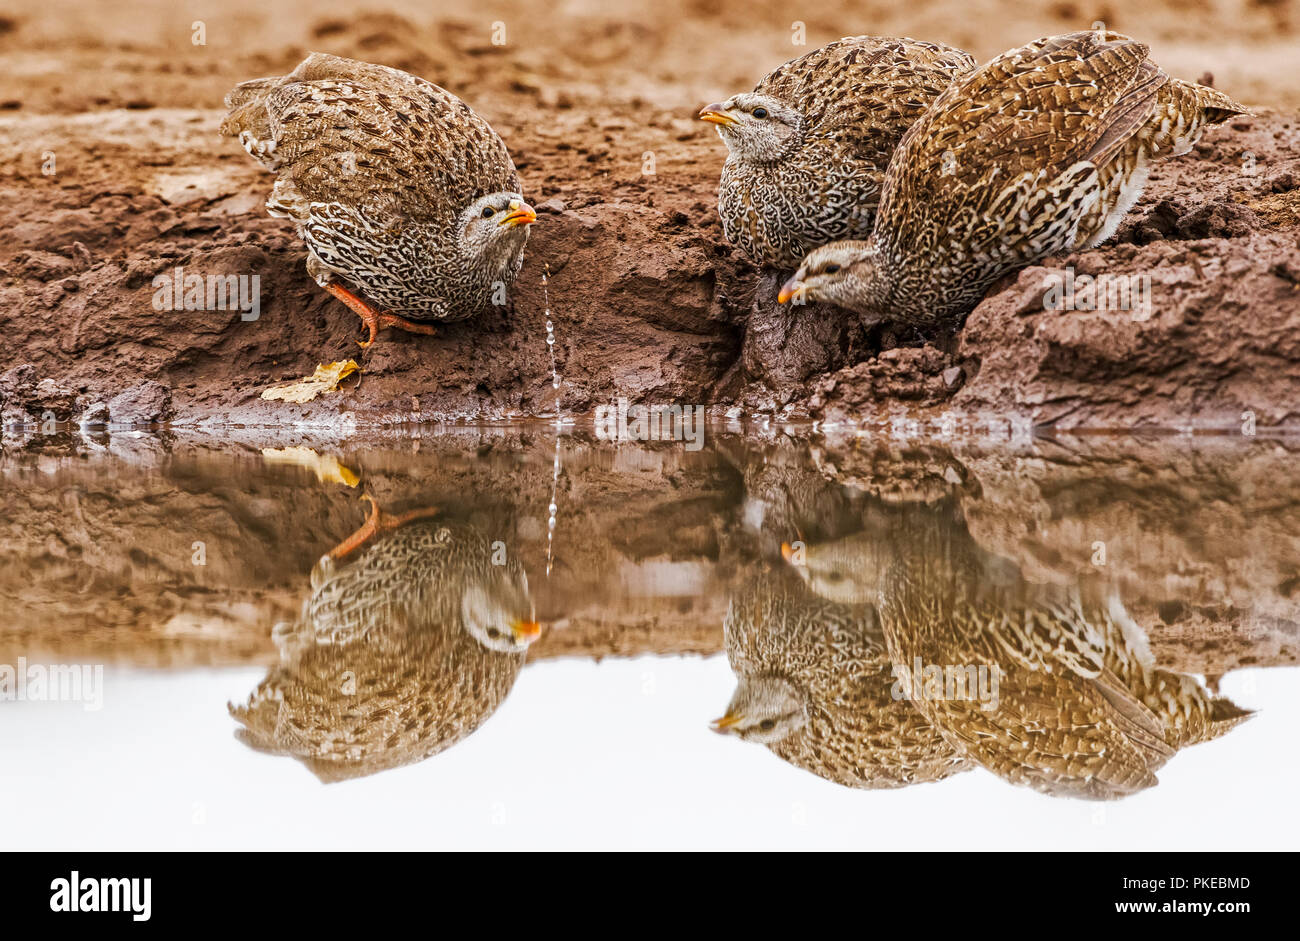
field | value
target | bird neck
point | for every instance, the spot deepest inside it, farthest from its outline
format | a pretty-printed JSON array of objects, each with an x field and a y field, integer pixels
[
  {"x": 499, "y": 260},
  {"x": 768, "y": 150}
]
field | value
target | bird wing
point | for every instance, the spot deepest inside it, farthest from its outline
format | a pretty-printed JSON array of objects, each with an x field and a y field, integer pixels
[
  {"x": 1059, "y": 718},
  {"x": 1056, "y": 733},
  {"x": 1049, "y": 104},
  {"x": 1041, "y": 113},
  {"x": 374, "y": 138}
]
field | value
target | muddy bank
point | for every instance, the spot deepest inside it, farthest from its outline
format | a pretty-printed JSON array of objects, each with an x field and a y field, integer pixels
[{"x": 113, "y": 175}]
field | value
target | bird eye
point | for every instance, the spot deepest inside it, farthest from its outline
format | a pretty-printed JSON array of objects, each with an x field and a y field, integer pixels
[
  {"x": 493, "y": 633},
  {"x": 767, "y": 725},
  {"x": 834, "y": 576},
  {"x": 488, "y": 212},
  {"x": 760, "y": 112},
  {"x": 831, "y": 269}
]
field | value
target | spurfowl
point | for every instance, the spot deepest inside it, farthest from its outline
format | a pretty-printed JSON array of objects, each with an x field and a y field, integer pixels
[
  {"x": 1042, "y": 150},
  {"x": 395, "y": 184},
  {"x": 397, "y": 654},
  {"x": 814, "y": 684},
  {"x": 810, "y": 144},
  {"x": 1078, "y": 707}
]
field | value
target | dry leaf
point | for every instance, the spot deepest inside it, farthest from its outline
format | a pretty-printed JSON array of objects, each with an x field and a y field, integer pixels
[
  {"x": 326, "y": 378},
  {"x": 327, "y": 469}
]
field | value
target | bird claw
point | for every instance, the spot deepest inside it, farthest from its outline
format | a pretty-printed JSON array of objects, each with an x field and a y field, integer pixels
[
  {"x": 380, "y": 321},
  {"x": 375, "y": 320},
  {"x": 377, "y": 522},
  {"x": 372, "y": 324}
]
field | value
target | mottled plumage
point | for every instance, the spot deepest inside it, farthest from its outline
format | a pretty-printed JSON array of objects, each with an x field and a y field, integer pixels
[
  {"x": 395, "y": 184},
  {"x": 395, "y": 656},
  {"x": 806, "y": 167},
  {"x": 1041, "y": 151},
  {"x": 814, "y": 684},
  {"x": 1080, "y": 708}
]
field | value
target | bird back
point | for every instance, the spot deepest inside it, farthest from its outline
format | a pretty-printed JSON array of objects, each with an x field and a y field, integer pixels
[
  {"x": 369, "y": 136},
  {"x": 1004, "y": 163},
  {"x": 865, "y": 91}
]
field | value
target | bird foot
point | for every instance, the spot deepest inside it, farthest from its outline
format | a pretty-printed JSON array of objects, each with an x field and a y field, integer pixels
[
  {"x": 392, "y": 320},
  {"x": 377, "y": 521},
  {"x": 373, "y": 319}
]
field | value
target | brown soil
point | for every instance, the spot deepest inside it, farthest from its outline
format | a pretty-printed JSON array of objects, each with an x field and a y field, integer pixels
[{"x": 649, "y": 302}]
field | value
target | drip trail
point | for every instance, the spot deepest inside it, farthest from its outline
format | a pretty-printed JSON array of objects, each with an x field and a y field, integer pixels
[{"x": 559, "y": 419}]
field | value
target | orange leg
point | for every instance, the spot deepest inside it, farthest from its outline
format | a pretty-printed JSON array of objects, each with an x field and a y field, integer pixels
[
  {"x": 373, "y": 319},
  {"x": 377, "y": 521}
]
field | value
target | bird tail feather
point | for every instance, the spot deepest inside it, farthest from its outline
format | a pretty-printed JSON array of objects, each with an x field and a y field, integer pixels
[{"x": 1225, "y": 715}]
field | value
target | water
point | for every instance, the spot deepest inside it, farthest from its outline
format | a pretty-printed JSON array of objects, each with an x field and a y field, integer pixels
[{"x": 1125, "y": 612}]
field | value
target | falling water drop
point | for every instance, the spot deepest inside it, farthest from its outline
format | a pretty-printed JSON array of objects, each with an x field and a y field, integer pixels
[
  {"x": 552, "y": 507},
  {"x": 550, "y": 338}
]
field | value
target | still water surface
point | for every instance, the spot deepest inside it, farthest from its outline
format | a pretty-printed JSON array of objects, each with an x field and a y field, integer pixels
[{"x": 763, "y": 642}]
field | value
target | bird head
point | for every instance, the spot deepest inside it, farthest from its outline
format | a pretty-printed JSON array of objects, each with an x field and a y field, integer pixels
[
  {"x": 495, "y": 227},
  {"x": 842, "y": 273},
  {"x": 846, "y": 571},
  {"x": 497, "y": 612},
  {"x": 764, "y": 709},
  {"x": 755, "y": 128}
]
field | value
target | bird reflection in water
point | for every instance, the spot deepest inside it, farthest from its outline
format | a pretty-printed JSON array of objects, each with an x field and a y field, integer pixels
[
  {"x": 1081, "y": 708},
  {"x": 814, "y": 685},
  {"x": 413, "y": 634}
]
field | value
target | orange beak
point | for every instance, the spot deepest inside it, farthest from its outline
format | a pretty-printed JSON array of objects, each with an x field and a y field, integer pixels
[
  {"x": 723, "y": 726},
  {"x": 519, "y": 214},
  {"x": 716, "y": 114},
  {"x": 787, "y": 551},
  {"x": 789, "y": 290},
  {"x": 526, "y": 631}
]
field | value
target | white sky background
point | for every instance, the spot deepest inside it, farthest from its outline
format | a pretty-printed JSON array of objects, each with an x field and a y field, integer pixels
[{"x": 588, "y": 756}]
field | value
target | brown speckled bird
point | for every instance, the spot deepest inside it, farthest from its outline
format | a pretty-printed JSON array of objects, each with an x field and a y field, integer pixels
[
  {"x": 1042, "y": 150},
  {"x": 808, "y": 147},
  {"x": 1078, "y": 709},
  {"x": 396, "y": 655},
  {"x": 814, "y": 685},
  {"x": 395, "y": 184}
]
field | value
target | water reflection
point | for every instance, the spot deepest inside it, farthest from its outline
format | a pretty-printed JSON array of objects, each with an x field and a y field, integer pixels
[
  {"x": 399, "y": 652},
  {"x": 893, "y": 614},
  {"x": 1046, "y": 685},
  {"x": 815, "y": 685}
]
